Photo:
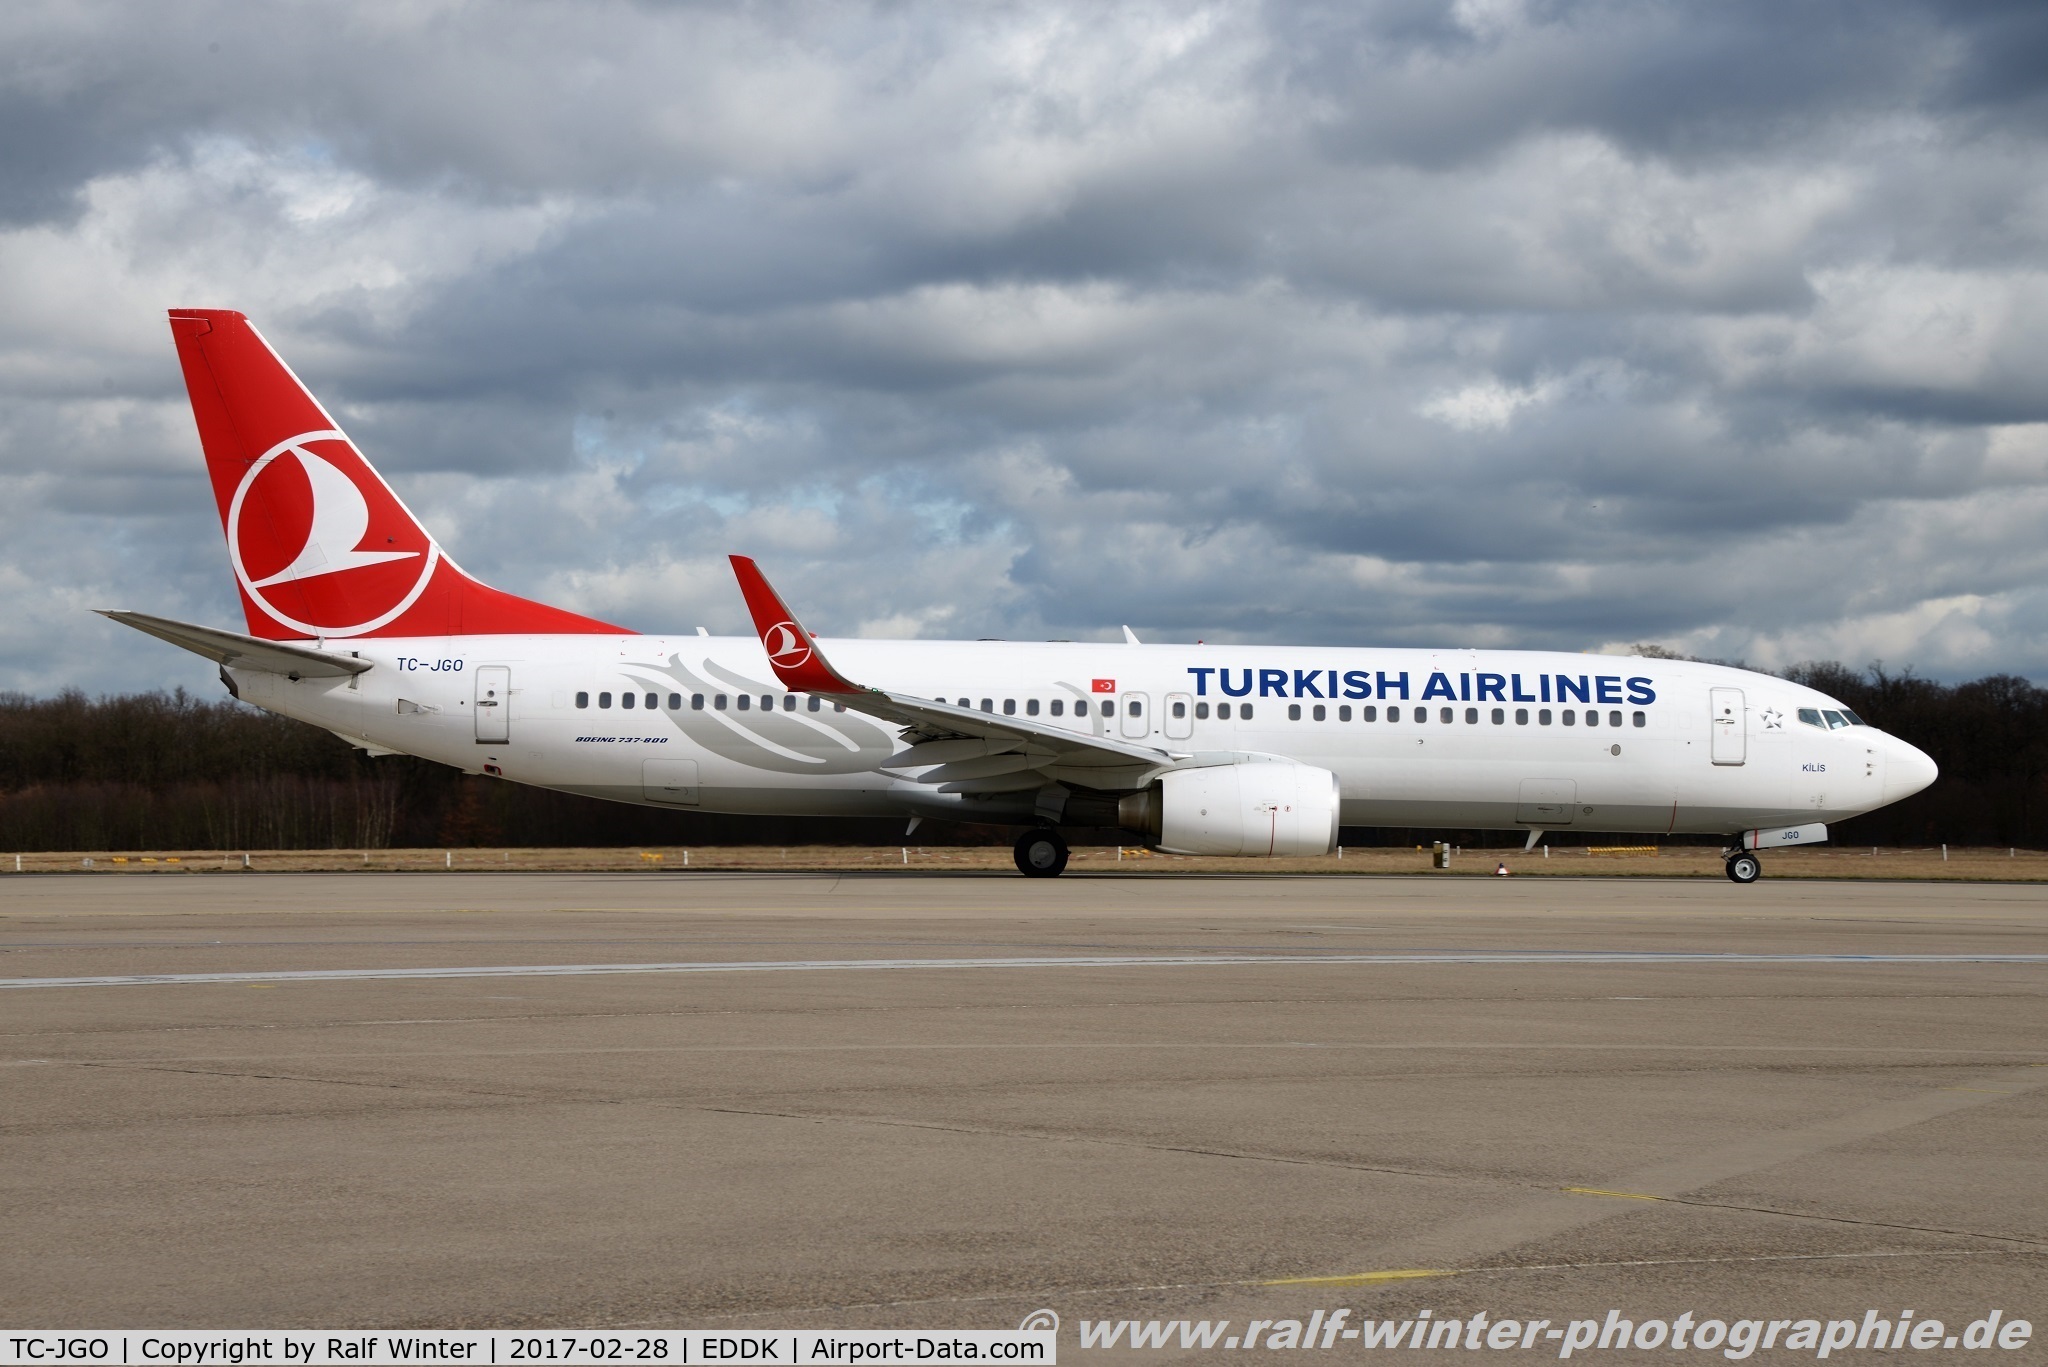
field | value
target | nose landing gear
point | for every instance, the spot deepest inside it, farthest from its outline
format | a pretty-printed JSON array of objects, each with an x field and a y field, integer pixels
[
  {"x": 1041, "y": 854},
  {"x": 1744, "y": 867}
]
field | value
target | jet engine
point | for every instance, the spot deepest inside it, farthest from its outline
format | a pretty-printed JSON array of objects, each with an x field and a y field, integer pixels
[{"x": 1259, "y": 808}]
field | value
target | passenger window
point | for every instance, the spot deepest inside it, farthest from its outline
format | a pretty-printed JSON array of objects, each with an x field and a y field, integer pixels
[
  {"x": 1180, "y": 710},
  {"x": 1446, "y": 715},
  {"x": 1135, "y": 708},
  {"x": 1031, "y": 707},
  {"x": 1368, "y": 714},
  {"x": 651, "y": 701},
  {"x": 1223, "y": 711},
  {"x": 1294, "y": 711},
  {"x": 719, "y": 702},
  {"x": 1592, "y": 717},
  {"x": 626, "y": 701},
  {"x": 815, "y": 700},
  {"x": 1521, "y": 716},
  {"x": 1009, "y": 707},
  {"x": 1058, "y": 706},
  {"x": 1344, "y": 712},
  {"x": 1836, "y": 721},
  {"x": 1642, "y": 719},
  {"x": 1244, "y": 711},
  {"x": 604, "y": 700},
  {"x": 1500, "y": 716},
  {"x": 675, "y": 702},
  {"x": 745, "y": 701},
  {"x": 767, "y": 703},
  {"x": 583, "y": 700},
  {"x": 1543, "y": 716},
  {"x": 1201, "y": 711},
  {"x": 696, "y": 702},
  {"x": 1811, "y": 716},
  {"x": 988, "y": 704},
  {"x": 1614, "y": 718},
  {"x": 1570, "y": 718},
  {"x": 1393, "y": 714},
  {"x": 1471, "y": 716}
]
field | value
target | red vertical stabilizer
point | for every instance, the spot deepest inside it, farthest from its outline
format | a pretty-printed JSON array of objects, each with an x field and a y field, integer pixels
[{"x": 319, "y": 543}]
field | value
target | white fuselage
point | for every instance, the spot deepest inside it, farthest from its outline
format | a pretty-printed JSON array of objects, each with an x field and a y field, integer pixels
[{"x": 1483, "y": 739}]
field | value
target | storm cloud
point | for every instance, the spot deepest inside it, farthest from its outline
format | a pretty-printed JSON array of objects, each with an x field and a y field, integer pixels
[{"x": 1721, "y": 325}]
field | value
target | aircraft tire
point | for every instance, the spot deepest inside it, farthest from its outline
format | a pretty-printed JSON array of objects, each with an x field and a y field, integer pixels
[
  {"x": 1745, "y": 868},
  {"x": 1041, "y": 854}
]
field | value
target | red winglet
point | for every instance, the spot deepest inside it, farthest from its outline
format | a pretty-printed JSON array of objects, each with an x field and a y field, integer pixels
[{"x": 792, "y": 652}]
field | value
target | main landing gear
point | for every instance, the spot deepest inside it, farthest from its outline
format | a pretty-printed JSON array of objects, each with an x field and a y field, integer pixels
[
  {"x": 1041, "y": 854},
  {"x": 1744, "y": 867}
]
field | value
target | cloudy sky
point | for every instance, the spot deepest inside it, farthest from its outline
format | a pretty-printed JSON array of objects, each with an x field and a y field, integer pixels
[{"x": 1721, "y": 325}]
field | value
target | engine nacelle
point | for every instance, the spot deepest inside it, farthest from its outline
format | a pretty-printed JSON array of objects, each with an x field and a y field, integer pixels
[{"x": 1260, "y": 808}]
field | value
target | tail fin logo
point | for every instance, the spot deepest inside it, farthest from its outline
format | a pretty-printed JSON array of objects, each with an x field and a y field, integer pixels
[
  {"x": 321, "y": 544},
  {"x": 786, "y": 645}
]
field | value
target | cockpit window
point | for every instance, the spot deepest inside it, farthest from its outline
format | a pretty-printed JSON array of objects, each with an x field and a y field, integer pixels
[
  {"x": 1836, "y": 721},
  {"x": 1854, "y": 720},
  {"x": 1811, "y": 716}
]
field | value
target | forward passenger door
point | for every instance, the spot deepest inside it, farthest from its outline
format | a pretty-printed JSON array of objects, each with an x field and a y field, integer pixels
[{"x": 1731, "y": 729}]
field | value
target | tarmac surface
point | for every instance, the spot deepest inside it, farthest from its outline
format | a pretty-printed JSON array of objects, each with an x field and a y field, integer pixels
[{"x": 1559, "y": 1097}]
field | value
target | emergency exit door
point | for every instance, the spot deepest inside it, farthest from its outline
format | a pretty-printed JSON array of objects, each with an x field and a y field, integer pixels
[
  {"x": 493, "y": 705},
  {"x": 1137, "y": 716},
  {"x": 1730, "y": 727}
]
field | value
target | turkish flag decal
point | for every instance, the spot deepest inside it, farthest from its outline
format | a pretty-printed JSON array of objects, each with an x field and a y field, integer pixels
[{"x": 1105, "y": 685}]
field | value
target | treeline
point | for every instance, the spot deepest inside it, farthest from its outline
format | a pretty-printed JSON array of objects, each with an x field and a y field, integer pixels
[
  {"x": 1990, "y": 737},
  {"x": 170, "y": 771}
]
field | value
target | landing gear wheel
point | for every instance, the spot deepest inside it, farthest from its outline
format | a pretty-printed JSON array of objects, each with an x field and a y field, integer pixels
[
  {"x": 1041, "y": 854},
  {"x": 1745, "y": 868}
]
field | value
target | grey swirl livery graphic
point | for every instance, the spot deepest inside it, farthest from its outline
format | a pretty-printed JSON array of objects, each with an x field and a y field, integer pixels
[{"x": 799, "y": 742}]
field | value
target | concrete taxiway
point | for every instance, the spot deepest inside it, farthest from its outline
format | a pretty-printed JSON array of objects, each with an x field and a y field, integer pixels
[{"x": 873, "y": 1101}]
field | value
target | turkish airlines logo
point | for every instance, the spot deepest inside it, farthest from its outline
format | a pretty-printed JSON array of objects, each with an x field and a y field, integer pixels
[
  {"x": 321, "y": 544},
  {"x": 786, "y": 645}
]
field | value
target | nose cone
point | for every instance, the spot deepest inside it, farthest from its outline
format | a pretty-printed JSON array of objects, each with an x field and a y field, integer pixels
[{"x": 1907, "y": 769}]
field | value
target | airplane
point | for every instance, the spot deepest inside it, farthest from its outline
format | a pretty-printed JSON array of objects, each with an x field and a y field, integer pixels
[{"x": 361, "y": 623}]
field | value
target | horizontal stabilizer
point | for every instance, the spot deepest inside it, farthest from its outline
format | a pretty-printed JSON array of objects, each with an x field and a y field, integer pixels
[{"x": 243, "y": 652}]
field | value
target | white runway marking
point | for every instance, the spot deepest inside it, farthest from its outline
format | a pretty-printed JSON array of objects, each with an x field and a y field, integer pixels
[{"x": 1064, "y": 961}]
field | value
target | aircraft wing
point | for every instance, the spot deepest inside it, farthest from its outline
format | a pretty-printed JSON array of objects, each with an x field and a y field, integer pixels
[
  {"x": 243, "y": 652},
  {"x": 973, "y": 751}
]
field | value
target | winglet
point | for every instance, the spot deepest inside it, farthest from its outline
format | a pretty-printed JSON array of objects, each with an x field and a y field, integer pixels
[{"x": 792, "y": 652}]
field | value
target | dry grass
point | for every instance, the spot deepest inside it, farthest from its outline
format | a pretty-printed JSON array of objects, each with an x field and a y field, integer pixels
[{"x": 1679, "y": 861}]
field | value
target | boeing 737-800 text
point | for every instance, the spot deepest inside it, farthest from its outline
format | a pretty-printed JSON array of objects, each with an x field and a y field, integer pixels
[{"x": 359, "y": 622}]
